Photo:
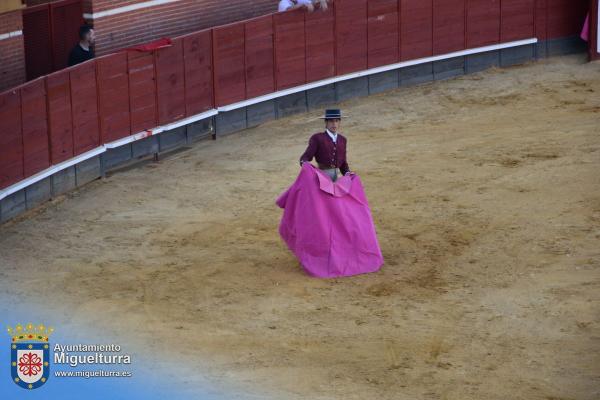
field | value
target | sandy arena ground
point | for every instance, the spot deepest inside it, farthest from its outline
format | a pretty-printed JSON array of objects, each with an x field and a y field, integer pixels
[{"x": 485, "y": 192}]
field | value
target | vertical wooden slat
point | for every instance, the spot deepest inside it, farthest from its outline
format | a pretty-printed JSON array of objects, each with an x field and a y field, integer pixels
[
  {"x": 483, "y": 22},
  {"x": 290, "y": 49},
  {"x": 517, "y": 19},
  {"x": 383, "y": 34},
  {"x": 84, "y": 103},
  {"x": 259, "y": 53},
  {"x": 197, "y": 54},
  {"x": 229, "y": 64},
  {"x": 35, "y": 127},
  {"x": 351, "y": 36},
  {"x": 11, "y": 138},
  {"x": 416, "y": 29},
  {"x": 170, "y": 81},
  {"x": 320, "y": 44},
  {"x": 58, "y": 88},
  {"x": 142, "y": 91},
  {"x": 448, "y": 26},
  {"x": 113, "y": 97}
]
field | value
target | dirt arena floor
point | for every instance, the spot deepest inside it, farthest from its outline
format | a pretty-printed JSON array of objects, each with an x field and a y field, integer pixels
[{"x": 485, "y": 191}]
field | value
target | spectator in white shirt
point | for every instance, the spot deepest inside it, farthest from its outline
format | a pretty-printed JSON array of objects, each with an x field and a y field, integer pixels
[{"x": 288, "y": 5}]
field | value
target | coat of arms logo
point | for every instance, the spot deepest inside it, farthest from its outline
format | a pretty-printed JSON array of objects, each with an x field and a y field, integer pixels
[{"x": 30, "y": 355}]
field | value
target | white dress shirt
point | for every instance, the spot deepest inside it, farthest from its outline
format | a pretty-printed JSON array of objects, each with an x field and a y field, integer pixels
[{"x": 333, "y": 136}]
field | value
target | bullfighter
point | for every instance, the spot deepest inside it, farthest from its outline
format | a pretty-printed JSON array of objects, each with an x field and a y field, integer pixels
[{"x": 329, "y": 147}]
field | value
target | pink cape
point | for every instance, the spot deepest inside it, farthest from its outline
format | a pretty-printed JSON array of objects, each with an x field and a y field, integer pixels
[
  {"x": 328, "y": 226},
  {"x": 585, "y": 32}
]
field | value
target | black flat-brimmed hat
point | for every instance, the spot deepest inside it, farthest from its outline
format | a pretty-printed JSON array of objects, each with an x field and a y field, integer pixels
[{"x": 333, "y": 114}]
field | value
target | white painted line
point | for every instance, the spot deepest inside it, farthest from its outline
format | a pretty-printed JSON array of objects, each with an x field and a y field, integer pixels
[
  {"x": 186, "y": 121},
  {"x": 372, "y": 71},
  {"x": 10, "y": 35},
  {"x": 210, "y": 113},
  {"x": 124, "y": 9},
  {"x": 598, "y": 30},
  {"x": 128, "y": 139}
]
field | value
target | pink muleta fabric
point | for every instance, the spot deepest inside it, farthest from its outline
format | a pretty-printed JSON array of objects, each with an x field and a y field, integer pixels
[
  {"x": 328, "y": 226},
  {"x": 585, "y": 33}
]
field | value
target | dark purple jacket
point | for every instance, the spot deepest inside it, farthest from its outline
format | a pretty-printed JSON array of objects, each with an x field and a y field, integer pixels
[{"x": 327, "y": 153}]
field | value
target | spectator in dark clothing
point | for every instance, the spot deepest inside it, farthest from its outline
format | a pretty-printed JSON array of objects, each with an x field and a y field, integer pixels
[{"x": 83, "y": 50}]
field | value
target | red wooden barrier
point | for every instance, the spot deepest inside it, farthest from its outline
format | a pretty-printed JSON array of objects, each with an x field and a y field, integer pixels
[
  {"x": 383, "y": 34},
  {"x": 483, "y": 22},
  {"x": 113, "y": 97},
  {"x": 197, "y": 54},
  {"x": 58, "y": 88},
  {"x": 69, "y": 112},
  {"x": 229, "y": 69},
  {"x": 142, "y": 91},
  {"x": 170, "y": 82},
  {"x": 84, "y": 103},
  {"x": 448, "y": 26},
  {"x": 416, "y": 29},
  {"x": 259, "y": 53},
  {"x": 320, "y": 45},
  {"x": 11, "y": 138},
  {"x": 290, "y": 49},
  {"x": 517, "y": 18},
  {"x": 566, "y": 17},
  {"x": 541, "y": 19},
  {"x": 36, "y": 152},
  {"x": 351, "y": 35}
]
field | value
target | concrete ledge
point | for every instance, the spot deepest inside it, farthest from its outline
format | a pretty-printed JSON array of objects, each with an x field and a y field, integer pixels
[
  {"x": 200, "y": 130},
  {"x": 12, "y": 206},
  {"x": 564, "y": 46},
  {"x": 87, "y": 171},
  {"x": 230, "y": 121},
  {"x": 481, "y": 62},
  {"x": 260, "y": 113},
  {"x": 357, "y": 87},
  {"x": 294, "y": 103},
  {"x": 39, "y": 193},
  {"x": 172, "y": 139},
  {"x": 416, "y": 74},
  {"x": 63, "y": 181},
  {"x": 117, "y": 156},
  {"x": 450, "y": 68},
  {"x": 516, "y": 55},
  {"x": 383, "y": 81},
  {"x": 144, "y": 147},
  {"x": 320, "y": 97},
  {"x": 541, "y": 50}
]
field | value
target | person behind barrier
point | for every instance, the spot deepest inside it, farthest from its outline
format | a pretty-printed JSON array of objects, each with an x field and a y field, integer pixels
[
  {"x": 328, "y": 147},
  {"x": 288, "y": 5},
  {"x": 83, "y": 50}
]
